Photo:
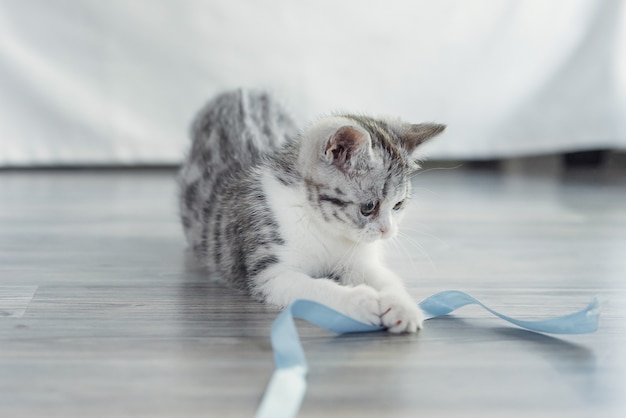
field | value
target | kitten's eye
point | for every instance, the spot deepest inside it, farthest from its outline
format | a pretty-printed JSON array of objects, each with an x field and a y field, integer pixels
[
  {"x": 368, "y": 208},
  {"x": 399, "y": 205}
]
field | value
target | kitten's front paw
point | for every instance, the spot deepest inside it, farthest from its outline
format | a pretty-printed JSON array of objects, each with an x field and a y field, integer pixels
[
  {"x": 399, "y": 312},
  {"x": 363, "y": 304}
]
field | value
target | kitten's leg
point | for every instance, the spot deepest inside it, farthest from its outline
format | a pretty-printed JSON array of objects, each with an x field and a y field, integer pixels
[
  {"x": 399, "y": 311},
  {"x": 360, "y": 302}
]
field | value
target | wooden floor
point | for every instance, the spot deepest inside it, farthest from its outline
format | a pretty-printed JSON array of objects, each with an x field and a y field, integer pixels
[{"x": 101, "y": 315}]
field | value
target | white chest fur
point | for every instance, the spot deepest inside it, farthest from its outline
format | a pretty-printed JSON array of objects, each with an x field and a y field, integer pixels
[
  {"x": 308, "y": 246},
  {"x": 366, "y": 290}
]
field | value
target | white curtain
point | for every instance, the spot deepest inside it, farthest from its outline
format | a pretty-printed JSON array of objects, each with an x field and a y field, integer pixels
[{"x": 117, "y": 82}]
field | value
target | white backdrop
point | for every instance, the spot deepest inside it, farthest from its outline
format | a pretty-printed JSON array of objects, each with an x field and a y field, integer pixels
[{"x": 110, "y": 82}]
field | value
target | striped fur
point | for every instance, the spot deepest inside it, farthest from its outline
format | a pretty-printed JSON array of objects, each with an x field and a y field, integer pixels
[{"x": 222, "y": 206}]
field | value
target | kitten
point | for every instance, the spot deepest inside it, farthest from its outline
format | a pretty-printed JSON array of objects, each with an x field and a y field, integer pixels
[{"x": 287, "y": 215}]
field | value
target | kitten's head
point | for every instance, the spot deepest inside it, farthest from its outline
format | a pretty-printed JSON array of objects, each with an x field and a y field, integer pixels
[{"x": 357, "y": 173}]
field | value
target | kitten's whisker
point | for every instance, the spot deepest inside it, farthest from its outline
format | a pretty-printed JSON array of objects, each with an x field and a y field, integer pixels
[
  {"x": 418, "y": 246},
  {"x": 301, "y": 219},
  {"x": 425, "y": 189},
  {"x": 407, "y": 254},
  {"x": 415, "y": 173},
  {"x": 417, "y": 231},
  {"x": 420, "y": 225},
  {"x": 416, "y": 188}
]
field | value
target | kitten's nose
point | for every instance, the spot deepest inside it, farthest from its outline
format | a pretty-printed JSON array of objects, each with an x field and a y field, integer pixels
[{"x": 384, "y": 229}]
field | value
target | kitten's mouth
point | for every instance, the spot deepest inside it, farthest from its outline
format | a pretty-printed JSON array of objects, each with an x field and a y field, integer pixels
[{"x": 376, "y": 237}]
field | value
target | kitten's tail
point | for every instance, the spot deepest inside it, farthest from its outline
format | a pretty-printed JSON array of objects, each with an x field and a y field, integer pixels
[{"x": 239, "y": 126}]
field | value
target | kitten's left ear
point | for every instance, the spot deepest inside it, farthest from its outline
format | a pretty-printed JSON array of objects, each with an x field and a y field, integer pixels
[
  {"x": 419, "y": 133},
  {"x": 346, "y": 147}
]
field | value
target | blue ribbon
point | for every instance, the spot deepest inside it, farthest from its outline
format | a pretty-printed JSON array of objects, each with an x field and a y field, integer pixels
[{"x": 286, "y": 389}]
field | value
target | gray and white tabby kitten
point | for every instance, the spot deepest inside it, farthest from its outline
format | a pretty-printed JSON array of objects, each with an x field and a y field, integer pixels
[{"x": 288, "y": 215}]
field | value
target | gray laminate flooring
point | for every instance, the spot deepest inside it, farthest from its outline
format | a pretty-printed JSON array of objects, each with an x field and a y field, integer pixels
[{"x": 102, "y": 315}]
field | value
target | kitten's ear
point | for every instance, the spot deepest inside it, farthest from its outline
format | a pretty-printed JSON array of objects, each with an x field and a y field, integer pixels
[
  {"x": 345, "y": 146},
  {"x": 419, "y": 133}
]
